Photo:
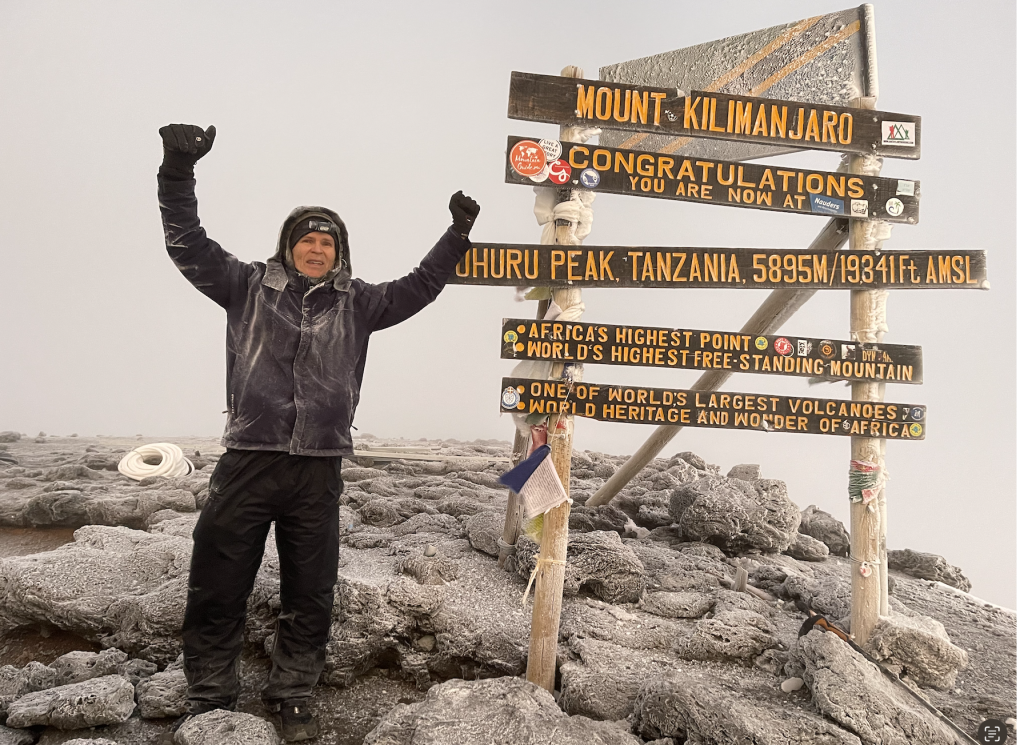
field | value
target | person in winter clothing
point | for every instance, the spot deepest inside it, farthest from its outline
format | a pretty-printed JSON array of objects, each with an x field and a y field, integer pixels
[{"x": 298, "y": 327}]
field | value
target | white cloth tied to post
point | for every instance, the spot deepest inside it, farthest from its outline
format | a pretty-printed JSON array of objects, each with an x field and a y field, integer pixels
[
  {"x": 536, "y": 482},
  {"x": 576, "y": 210}
]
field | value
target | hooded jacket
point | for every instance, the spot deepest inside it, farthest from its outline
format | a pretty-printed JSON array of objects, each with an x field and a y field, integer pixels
[{"x": 296, "y": 349}]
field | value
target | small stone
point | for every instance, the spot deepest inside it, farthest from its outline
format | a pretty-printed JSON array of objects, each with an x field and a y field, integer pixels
[
  {"x": 430, "y": 551},
  {"x": 9, "y": 436},
  {"x": 792, "y": 684},
  {"x": 426, "y": 643},
  {"x": 163, "y": 695}
]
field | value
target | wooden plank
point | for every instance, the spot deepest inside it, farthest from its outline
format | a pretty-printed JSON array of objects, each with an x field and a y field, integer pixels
[
  {"x": 532, "y": 265},
  {"x": 688, "y": 408},
  {"x": 708, "y": 181},
  {"x": 696, "y": 349},
  {"x": 716, "y": 115}
]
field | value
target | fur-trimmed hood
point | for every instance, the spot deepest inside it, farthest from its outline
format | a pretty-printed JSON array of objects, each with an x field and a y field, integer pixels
[{"x": 342, "y": 270}]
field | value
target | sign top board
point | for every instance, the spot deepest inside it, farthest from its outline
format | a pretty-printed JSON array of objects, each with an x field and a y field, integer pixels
[
  {"x": 828, "y": 59},
  {"x": 725, "y": 116}
]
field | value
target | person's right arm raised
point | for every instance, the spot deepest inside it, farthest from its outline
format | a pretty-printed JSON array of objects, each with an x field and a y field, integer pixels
[{"x": 212, "y": 270}]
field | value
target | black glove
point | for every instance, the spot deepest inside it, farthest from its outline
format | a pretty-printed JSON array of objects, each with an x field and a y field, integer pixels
[
  {"x": 464, "y": 211},
  {"x": 184, "y": 144}
]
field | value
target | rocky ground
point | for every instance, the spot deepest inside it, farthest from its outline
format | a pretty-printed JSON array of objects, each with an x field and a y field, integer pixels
[{"x": 430, "y": 636}]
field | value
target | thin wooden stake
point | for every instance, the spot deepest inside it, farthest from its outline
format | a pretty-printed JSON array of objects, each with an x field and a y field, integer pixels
[{"x": 547, "y": 598}]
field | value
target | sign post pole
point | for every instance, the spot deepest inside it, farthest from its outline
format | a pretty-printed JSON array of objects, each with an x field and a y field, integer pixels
[
  {"x": 869, "y": 570},
  {"x": 547, "y": 599}
]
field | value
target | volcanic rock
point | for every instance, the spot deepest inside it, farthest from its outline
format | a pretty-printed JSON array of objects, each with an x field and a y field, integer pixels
[
  {"x": 499, "y": 710},
  {"x": 737, "y": 516},
  {"x": 825, "y": 528},
  {"x": 928, "y": 566},
  {"x": 106, "y": 700}
]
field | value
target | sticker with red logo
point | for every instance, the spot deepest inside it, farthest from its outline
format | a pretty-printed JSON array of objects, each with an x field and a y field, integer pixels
[
  {"x": 784, "y": 346},
  {"x": 560, "y": 172},
  {"x": 527, "y": 158}
]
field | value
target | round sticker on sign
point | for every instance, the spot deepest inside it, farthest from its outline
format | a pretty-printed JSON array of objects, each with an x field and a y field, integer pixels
[
  {"x": 560, "y": 172},
  {"x": 916, "y": 429},
  {"x": 894, "y": 207},
  {"x": 590, "y": 178},
  {"x": 761, "y": 343},
  {"x": 541, "y": 177},
  {"x": 510, "y": 398},
  {"x": 527, "y": 158},
  {"x": 552, "y": 149},
  {"x": 827, "y": 349},
  {"x": 784, "y": 346},
  {"x": 511, "y": 336}
]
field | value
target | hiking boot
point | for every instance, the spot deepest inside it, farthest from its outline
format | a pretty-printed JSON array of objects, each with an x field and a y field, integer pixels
[{"x": 298, "y": 722}]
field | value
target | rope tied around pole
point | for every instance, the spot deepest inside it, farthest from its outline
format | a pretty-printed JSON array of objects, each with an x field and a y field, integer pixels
[
  {"x": 533, "y": 574},
  {"x": 866, "y": 481}
]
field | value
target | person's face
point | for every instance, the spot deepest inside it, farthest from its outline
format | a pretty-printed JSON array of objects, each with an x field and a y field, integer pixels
[{"x": 314, "y": 254}]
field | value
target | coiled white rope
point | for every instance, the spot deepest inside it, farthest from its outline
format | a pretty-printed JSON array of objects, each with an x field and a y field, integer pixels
[{"x": 172, "y": 463}]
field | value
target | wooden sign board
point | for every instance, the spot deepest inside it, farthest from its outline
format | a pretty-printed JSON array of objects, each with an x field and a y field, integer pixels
[
  {"x": 682, "y": 408},
  {"x": 825, "y": 59},
  {"x": 519, "y": 265},
  {"x": 765, "y": 121},
  {"x": 708, "y": 181},
  {"x": 689, "y": 349}
]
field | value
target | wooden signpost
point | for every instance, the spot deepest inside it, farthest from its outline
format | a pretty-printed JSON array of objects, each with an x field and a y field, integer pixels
[
  {"x": 516, "y": 265},
  {"x": 694, "y": 143},
  {"x": 694, "y": 349},
  {"x": 764, "y": 121},
  {"x": 685, "y": 408},
  {"x": 710, "y": 181}
]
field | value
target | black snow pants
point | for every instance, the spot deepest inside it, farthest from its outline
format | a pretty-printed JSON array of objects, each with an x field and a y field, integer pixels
[{"x": 249, "y": 489}]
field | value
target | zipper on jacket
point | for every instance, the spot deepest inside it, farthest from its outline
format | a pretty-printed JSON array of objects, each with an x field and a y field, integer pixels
[{"x": 232, "y": 404}]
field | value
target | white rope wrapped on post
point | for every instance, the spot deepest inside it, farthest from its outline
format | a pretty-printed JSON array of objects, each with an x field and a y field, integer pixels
[{"x": 173, "y": 462}]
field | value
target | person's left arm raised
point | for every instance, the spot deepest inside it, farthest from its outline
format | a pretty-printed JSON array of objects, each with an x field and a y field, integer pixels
[{"x": 404, "y": 297}]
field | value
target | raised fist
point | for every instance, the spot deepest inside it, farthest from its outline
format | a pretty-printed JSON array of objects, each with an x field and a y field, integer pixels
[
  {"x": 184, "y": 144},
  {"x": 464, "y": 211}
]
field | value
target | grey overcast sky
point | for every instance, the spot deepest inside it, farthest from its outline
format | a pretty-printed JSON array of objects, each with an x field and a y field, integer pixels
[{"x": 381, "y": 111}]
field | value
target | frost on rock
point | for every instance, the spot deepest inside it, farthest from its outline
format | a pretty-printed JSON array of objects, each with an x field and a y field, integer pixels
[
  {"x": 714, "y": 704},
  {"x": 920, "y": 648},
  {"x": 122, "y": 587},
  {"x": 928, "y": 566},
  {"x": 597, "y": 562},
  {"x": 821, "y": 526},
  {"x": 852, "y": 692},
  {"x": 735, "y": 515},
  {"x": 499, "y": 710},
  {"x": 220, "y": 727},
  {"x": 163, "y": 695},
  {"x": 106, "y": 700}
]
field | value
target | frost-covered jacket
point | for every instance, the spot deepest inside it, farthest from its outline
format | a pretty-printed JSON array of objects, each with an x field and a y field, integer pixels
[{"x": 295, "y": 351}]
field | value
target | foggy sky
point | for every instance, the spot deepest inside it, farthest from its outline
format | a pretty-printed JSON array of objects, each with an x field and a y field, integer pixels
[{"x": 382, "y": 111}]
